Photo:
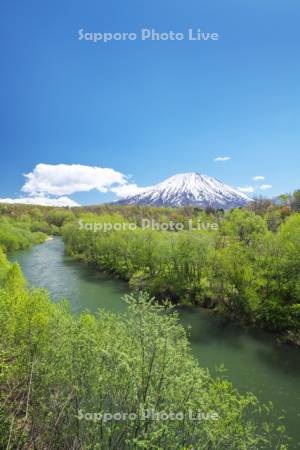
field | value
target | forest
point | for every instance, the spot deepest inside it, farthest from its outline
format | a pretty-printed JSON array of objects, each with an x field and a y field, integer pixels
[{"x": 60, "y": 373}]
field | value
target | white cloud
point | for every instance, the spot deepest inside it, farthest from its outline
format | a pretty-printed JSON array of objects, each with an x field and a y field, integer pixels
[
  {"x": 127, "y": 190},
  {"x": 265, "y": 187},
  {"x": 222, "y": 158},
  {"x": 41, "y": 200},
  {"x": 65, "y": 179},
  {"x": 248, "y": 189},
  {"x": 49, "y": 184},
  {"x": 258, "y": 177}
]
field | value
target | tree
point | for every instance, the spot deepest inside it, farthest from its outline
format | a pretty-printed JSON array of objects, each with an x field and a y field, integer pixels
[
  {"x": 296, "y": 200},
  {"x": 244, "y": 225},
  {"x": 284, "y": 199}
]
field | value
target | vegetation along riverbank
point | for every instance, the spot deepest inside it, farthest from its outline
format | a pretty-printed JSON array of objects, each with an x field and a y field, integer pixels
[
  {"x": 244, "y": 265},
  {"x": 113, "y": 380}
]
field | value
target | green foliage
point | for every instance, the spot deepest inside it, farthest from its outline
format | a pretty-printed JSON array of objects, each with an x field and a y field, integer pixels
[
  {"x": 17, "y": 234},
  {"x": 58, "y": 372},
  {"x": 249, "y": 268},
  {"x": 244, "y": 226},
  {"x": 296, "y": 200},
  {"x": 3, "y": 266},
  {"x": 59, "y": 216}
]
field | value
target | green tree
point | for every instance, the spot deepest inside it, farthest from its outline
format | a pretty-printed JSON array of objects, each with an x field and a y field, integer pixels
[{"x": 296, "y": 200}]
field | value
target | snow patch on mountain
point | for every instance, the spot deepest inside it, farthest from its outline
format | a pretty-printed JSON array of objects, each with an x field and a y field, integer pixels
[{"x": 191, "y": 189}]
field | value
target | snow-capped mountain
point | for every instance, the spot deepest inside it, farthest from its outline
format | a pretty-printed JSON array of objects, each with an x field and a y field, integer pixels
[{"x": 188, "y": 189}]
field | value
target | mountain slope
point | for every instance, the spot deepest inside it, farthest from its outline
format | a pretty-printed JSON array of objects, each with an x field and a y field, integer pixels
[{"x": 189, "y": 189}]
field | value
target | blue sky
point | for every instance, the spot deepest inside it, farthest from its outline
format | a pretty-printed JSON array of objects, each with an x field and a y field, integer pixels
[{"x": 149, "y": 109}]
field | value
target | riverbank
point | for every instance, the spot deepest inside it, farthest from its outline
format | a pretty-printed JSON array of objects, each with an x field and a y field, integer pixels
[
  {"x": 242, "y": 269},
  {"x": 288, "y": 338},
  {"x": 144, "y": 362},
  {"x": 249, "y": 358}
]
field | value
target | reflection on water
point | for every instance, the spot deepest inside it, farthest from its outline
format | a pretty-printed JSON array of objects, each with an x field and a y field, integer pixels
[{"x": 253, "y": 360}]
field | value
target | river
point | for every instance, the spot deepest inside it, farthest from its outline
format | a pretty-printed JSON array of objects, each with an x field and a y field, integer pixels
[{"x": 253, "y": 360}]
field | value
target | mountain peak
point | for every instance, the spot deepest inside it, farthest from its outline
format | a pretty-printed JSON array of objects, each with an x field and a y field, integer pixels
[{"x": 189, "y": 188}]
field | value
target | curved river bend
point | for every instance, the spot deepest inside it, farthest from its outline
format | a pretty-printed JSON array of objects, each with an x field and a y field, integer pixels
[{"x": 253, "y": 360}]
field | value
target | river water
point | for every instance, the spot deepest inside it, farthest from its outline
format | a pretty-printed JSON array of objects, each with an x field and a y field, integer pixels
[{"x": 253, "y": 361}]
